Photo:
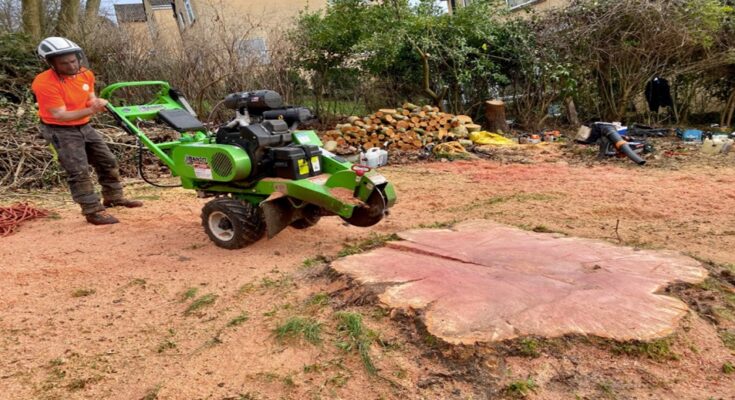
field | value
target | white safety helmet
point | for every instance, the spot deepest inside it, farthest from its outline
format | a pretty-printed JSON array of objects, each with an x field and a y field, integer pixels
[{"x": 58, "y": 46}]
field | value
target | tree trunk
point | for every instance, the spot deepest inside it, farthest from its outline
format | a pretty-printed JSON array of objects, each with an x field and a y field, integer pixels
[
  {"x": 731, "y": 112},
  {"x": 572, "y": 112},
  {"x": 495, "y": 116},
  {"x": 437, "y": 98},
  {"x": 31, "y": 13},
  {"x": 727, "y": 112},
  {"x": 92, "y": 9},
  {"x": 68, "y": 17}
]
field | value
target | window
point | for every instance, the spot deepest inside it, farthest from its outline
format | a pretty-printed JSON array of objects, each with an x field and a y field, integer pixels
[
  {"x": 513, "y": 4},
  {"x": 254, "y": 49},
  {"x": 189, "y": 11},
  {"x": 161, "y": 4}
]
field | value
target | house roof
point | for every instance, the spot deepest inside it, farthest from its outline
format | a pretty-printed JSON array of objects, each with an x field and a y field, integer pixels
[{"x": 130, "y": 13}]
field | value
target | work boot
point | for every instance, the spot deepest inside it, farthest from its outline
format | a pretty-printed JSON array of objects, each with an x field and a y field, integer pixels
[
  {"x": 123, "y": 203},
  {"x": 101, "y": 218}
]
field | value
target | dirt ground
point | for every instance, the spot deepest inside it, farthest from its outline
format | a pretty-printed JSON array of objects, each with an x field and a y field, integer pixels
[{"x": 149, "y": 308}]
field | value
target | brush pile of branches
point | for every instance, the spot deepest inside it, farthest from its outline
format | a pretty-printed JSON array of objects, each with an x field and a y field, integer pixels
[{"x": 27, "y": 162}]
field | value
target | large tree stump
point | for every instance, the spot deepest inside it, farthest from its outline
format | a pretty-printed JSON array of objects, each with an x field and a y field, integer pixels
[
  {"x": 495, "y": 116},
  {"x": 484, "y": 282}
]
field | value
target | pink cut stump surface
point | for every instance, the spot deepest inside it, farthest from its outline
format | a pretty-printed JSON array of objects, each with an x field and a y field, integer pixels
[{"x": 485, "y": 282}]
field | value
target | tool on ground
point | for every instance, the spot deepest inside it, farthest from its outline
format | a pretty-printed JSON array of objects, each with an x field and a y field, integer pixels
[
  {"x": 644, "y": 131},
  {"x": 262, "y": 174},
  {"x": 12, "y": 216},
  {"x": 613, "y": 143}
]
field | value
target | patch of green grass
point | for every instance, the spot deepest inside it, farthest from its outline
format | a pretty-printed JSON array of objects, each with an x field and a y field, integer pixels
[
  {"x": 204, "y": 301},
  {"x": 83, "y": 292},
  {"x": 315, "y": 261},
  {"x": 56, "y": 362},
  {"x": 309, "y": 328},
  {"x": 373, "y": 241},
  {"x": 57, "y": 373},
  {"x": 658, "y": 350},
  {"x": 81, "y": 383},
  {"x": 379, "y": 313},
  {"x": 723, "y": 313},
  {"x": 728, "y": 339},
  {"x": 312, "y": 368},
  {"x": 400, "y": 373},
  {"x": 214, "y": 340},
  {"x": 639, "y": 243},
  {"x": 268, "y": 283},
  {"x": 239, "y": 319},
  {"x": 712, "y": 284},
  {"x": 439, "y": 224},
  {"x": 288, "y": 381},
  {"x": 351, "y": 323},
  {"x": 246, "y": 289},
  {"x": 152, "y": 393},
  {"x": 521, "y": 388},
  {"x": 268, "y": 377},
  {"x": 728, "y": 368},
  {"x": 190, "y": 293},
  {"x": 338, "y": 380},
  {"x": 272, "y": 312},
  {"x": 528, "y": 347},
  {"x": 607, "y": 390},
  {"x": 54, "y": 215},
  {"x": 77, "y": 384},
  {"x": 431, "y": 341},
  {"x": 167, "y": 344},
  {"x": 320, "y": 299},
  {"x": 358, "y": 336}
]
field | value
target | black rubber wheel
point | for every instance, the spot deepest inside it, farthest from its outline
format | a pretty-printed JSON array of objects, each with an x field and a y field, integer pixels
[
  {"x": 310, "y": 219},
  {"x": 231, "y": 223}
]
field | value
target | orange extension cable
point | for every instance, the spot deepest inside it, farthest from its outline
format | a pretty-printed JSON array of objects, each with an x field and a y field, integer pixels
[{"x": 12, "y": 216}]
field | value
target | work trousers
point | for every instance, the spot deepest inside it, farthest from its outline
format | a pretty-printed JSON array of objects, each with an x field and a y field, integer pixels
[{"x": 78, "y": 148}]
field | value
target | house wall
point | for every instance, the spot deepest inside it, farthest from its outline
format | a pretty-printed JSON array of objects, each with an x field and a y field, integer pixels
[
  {"x": 548, "y": 4},
  {"x": 166, "y": 32},
  {"x": 139, "y": 32},
  {"x": 261, "y": 18},
  {"x": 252, "y": 19}
]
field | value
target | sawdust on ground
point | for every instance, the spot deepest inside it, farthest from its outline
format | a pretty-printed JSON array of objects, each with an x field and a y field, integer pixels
[{"x": 101, "y": 312}]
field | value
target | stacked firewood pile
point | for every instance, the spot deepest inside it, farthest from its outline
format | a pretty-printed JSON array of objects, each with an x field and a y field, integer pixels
[{"x": 407, "y": 128}]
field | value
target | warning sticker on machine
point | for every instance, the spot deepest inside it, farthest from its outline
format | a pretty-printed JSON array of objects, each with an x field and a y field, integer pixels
[
  {"x": 303, "y": 167},
  {"x": 201, "y": 167},
  {"x": 203, "y": 173},
  {"x": 315, "y": 164}
]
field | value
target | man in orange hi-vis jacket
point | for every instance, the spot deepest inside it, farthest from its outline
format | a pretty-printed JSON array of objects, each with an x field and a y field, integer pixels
[{"x": 66, "y": 100}]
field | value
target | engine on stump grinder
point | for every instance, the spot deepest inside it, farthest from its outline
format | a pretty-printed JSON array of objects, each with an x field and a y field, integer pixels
[{"x": 262, "y": 173}]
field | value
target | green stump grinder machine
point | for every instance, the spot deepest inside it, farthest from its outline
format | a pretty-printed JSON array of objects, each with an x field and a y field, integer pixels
[{"x": 262, "y": 174}]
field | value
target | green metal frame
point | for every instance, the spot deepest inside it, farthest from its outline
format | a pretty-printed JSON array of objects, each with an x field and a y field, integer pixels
[{"x": 315, "y": 190}]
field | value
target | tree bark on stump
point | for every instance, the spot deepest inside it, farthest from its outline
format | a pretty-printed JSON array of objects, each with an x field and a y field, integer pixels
[{"x": 495, "y": 116}]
